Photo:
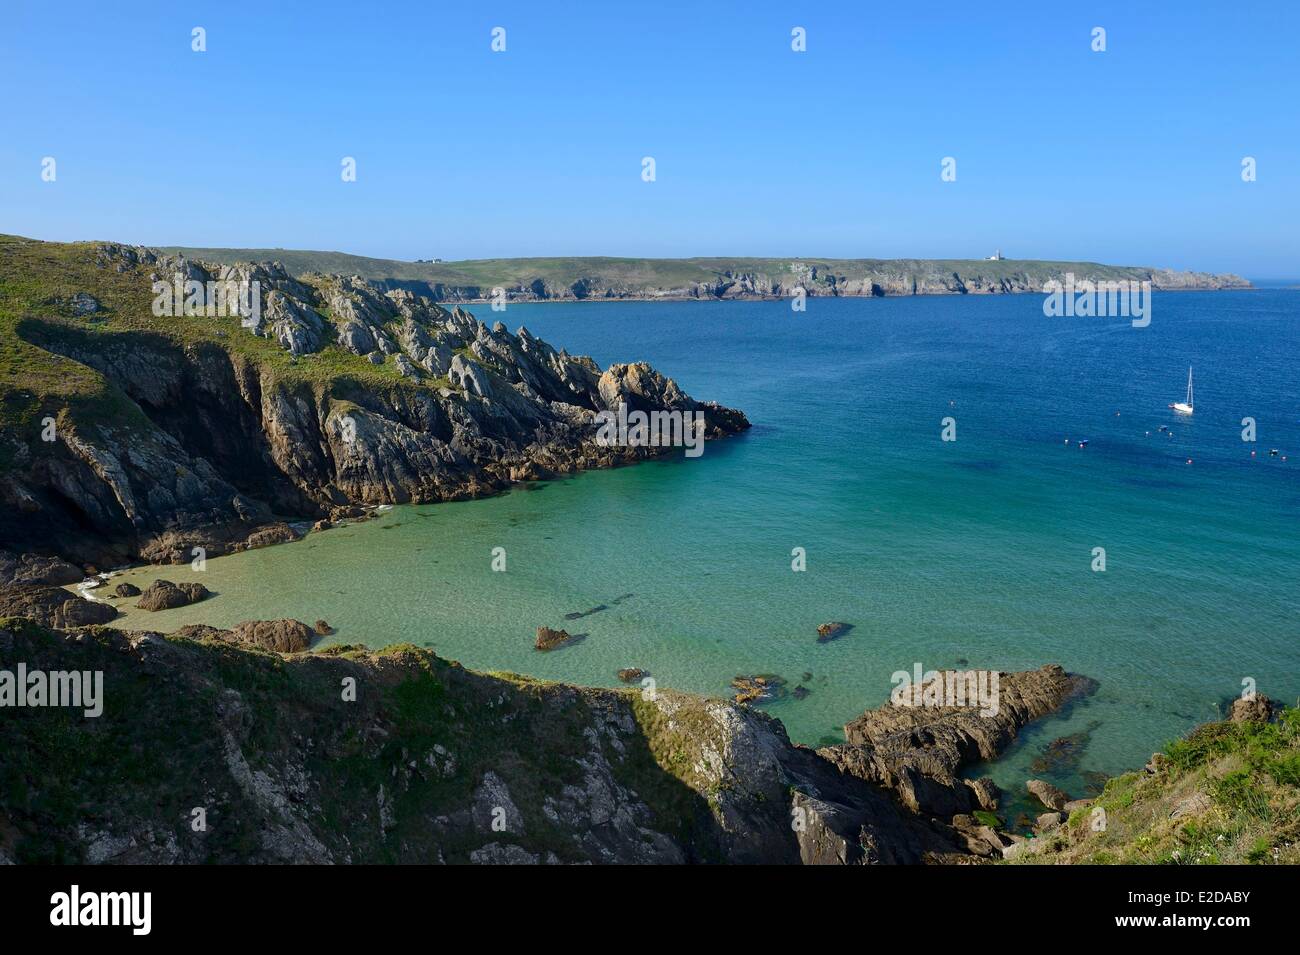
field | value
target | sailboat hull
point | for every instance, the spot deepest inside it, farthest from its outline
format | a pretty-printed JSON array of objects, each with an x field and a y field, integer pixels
[{"x": 1185, "y": 407}]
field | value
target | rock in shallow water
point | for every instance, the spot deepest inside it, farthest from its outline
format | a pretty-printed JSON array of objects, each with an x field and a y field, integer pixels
[
  {"x": 549, "y": 639},
  {"x": 282, "y": 636},
  {"x": 53, "y": 606},
  {"x": 1047, "y": 794},
  {"x": 165, "y": 595},
  {"x": 832, "y": 630}
]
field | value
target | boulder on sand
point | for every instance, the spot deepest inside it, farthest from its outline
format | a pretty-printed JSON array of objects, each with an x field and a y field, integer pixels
[
  {"x": 165, "y": 595},
  {"x": 277, "y": 533},
  {"x": 127, "y": 590}
]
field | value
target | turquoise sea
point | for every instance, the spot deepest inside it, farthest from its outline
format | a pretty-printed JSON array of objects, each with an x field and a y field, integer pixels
[{"x": 977, "y": 550}]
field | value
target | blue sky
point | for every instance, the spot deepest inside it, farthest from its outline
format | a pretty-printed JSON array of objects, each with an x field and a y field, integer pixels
[{"x": 1130, "y": 156}]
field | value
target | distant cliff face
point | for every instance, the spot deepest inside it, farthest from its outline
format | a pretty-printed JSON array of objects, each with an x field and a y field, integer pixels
[
  {"x": 612, "y": 279},
  {"x": 128, "y": 434},
  {"x": 821, "y": 280}
]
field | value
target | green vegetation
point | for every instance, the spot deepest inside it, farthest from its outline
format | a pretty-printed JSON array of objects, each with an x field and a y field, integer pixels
[
  {"x": 633, "y": 273},
  {"x": 1227, "y": 793},
  {"x": 42, "y": 334},
  {"x": 164, "y": 744}
]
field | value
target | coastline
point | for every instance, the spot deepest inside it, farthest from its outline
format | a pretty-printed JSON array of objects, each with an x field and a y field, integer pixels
[{"x": 683, "y": 298}]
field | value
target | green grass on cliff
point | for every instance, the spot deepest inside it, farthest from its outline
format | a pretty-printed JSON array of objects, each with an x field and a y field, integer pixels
[
  {"x": 37, "y": 326},
  {"x": 1229, "y": 793},
  {"x": 175, "y": 710}
]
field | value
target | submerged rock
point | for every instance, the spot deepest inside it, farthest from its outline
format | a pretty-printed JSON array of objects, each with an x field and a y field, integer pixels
[
  {"x": 323, "y": 629},
  {"x": 760, "y": 688},
  {"x": 830, "y": 631},
  {"x": 632, "y": 675},
  {"x": 1063, "y": 754}
]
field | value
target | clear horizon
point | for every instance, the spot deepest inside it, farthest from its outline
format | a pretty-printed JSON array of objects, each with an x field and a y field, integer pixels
[{"x": 1131, "y": 156}]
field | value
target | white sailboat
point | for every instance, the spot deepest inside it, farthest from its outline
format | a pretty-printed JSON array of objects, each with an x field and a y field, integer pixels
[{"x": 1185, "y": 407}]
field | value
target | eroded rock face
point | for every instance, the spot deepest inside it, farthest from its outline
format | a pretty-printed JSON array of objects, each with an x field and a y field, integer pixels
[
  {"x": 282, "y": 636},
  {"x": 551, "y": 639},
  {"x": 37, "y": 569},
  {"x": 918, "y": 750},
  {"x": 214, "y": 444},
  {"x": 1047, "y": 794},
  {"x": 53, "y": 606},
  {"x": 866, "y": 277},
  {"x": 461, "y": 767},
  {"x": 1257, "y": 709}
]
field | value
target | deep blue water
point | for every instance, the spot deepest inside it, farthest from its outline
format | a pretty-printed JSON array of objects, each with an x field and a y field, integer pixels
[{"x": 977, "y": 550}]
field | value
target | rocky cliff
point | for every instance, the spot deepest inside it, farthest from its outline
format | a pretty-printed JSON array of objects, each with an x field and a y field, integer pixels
[
  {"x": 242, "y": 746},
  {"x": 611, "y": 279},
  {"x": 400, "y": 756},
  {"x": 129, "y": 434}
]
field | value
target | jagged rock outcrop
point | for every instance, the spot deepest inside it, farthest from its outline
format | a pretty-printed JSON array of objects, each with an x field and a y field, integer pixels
[
  {"x": 37, "y": 569},
  {"x": 917, "y": 749},
  {"x": 425, "y": 762},
  {"x": 202, "y": 440},
  {"x": 549, "y": 638},
  {"x": 52, "y": 606},
  {"x": 282, "y": 636},
  {"x": 1047, "y": 794}
]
